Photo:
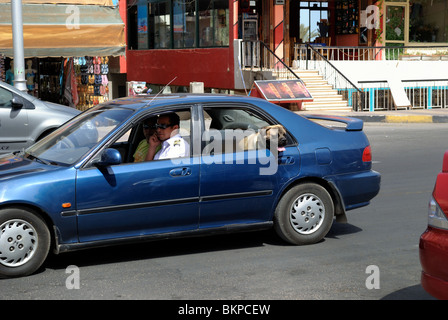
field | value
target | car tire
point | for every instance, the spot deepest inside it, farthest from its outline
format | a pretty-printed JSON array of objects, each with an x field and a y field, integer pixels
[
  {"x": 304, "y": 214},
  {"x": 24, "y": 242}
]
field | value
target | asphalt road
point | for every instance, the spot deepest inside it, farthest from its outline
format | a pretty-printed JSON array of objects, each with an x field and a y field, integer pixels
[{"x": 374, "y": 256}]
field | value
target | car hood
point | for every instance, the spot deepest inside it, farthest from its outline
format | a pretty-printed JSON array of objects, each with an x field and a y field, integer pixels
[
  {"x": 14, "y": 166},
  {"x": 61, "y": 108}
]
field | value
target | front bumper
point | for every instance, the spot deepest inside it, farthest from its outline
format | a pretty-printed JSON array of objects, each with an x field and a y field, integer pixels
[{"x": 434, "y": 261}]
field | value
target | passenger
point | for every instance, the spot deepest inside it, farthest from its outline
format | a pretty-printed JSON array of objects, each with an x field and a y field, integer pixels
[
  {"x": 149, "y": 128},
  {"x": 167, "y": 135}
]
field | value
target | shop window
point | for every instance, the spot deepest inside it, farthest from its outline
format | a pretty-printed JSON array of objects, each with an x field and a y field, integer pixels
[
  {"x": 159, "y": 25},
  {"x": 428, "y": 21},
  {"x": 167, "y": 24},
  {"x": 184, "y": 22},
  {"x": 142, "y": 33},
  {"x": 213, "y": 23},
  {"x": 395, "y": 26},
  {"x": 311, "y": 14}
]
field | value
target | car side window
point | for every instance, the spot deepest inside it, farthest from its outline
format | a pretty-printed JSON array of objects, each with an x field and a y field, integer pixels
[
  {"x": 133, "y": 144},
  {"x": 234, "y": 118},
  {"x": 227, "y": 123},
  {"x": 5, "y": 98}
]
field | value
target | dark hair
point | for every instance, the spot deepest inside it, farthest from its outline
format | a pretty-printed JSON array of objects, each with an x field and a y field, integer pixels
[
  {"x": 174, "y": 118},
  {"x": 150, "y": 121}
]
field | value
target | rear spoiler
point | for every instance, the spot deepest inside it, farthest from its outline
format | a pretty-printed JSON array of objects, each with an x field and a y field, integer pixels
[{"x": 351, "y": 124}]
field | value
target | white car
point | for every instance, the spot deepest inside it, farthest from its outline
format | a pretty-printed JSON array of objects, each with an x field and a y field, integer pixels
[{"x": 24, "y": 119}]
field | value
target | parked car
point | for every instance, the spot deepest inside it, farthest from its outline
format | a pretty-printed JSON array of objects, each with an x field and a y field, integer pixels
[
  {"x": 79, "y": 187},
  {"x": 434, "y": 241},
  {"x": 25, "y": 119}
]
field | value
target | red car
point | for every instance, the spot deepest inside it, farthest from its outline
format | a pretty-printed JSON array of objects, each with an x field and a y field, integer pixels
[{"x": 434, "y": 241}]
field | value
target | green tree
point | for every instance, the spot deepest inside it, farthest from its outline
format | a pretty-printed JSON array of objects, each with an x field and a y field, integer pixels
[{"x": 305, "y": 33}]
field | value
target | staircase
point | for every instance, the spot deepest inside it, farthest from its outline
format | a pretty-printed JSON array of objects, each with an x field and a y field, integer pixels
[
  {"x": 259, "y": 62},
  {"x": 324, "y": 96}
]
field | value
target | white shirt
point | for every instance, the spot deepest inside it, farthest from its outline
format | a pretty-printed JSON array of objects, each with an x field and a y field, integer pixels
[{"x": 174, "y": 147}]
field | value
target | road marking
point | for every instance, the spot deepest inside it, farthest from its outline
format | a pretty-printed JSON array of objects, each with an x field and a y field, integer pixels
[{"x": 409, "y": 119}]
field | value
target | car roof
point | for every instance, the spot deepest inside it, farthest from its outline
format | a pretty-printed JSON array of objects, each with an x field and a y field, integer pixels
[{"x": 144, "y": 101}]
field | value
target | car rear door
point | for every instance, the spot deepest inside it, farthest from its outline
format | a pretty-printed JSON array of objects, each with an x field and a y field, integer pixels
[
  {"x": 13, "y": 124},
  {"x": 240, "y": 187}
]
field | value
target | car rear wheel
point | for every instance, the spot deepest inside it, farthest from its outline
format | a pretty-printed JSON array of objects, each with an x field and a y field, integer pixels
[
  {"x": 304, "y": 214},
  {"x": 24, "y": 242}
]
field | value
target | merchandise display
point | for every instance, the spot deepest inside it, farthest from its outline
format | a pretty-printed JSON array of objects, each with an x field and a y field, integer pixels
[
  {"x": 92, "y": 80},
  {"x": 30, "y": 75},
  {"x": 50, "y": 73},
  {"x": 80, "y": 82},
  {"x": 347, "y": 17}
]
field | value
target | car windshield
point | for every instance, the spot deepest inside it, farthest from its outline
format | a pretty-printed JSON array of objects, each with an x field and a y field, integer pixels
[{"x": 68, "y": 144}]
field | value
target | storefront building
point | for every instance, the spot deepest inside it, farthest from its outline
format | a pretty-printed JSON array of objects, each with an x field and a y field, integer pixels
[
  {"x": 370, "y": 22},
  {"x": 178, "y": 42},
  {"x": 71, "y": 50},
  {"x": 415, "y": 22}
]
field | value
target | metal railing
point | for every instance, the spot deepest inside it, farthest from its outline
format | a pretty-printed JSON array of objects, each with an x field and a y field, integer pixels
[
  {"x": 422, "y": 94},
  {"x": 363, "y": 53},
  {"x": 349, "y": 91},
  {"x": 377, "y": 96},
  {"x": 427, "y": 94},
  {"x": 257, "y": 57}
]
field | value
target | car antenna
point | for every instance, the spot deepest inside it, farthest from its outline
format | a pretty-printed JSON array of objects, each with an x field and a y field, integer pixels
[{"x": 162, "y": 90}]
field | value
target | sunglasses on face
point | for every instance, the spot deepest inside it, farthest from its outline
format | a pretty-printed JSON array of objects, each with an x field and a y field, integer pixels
[
  {"x": 162, "y": 125},
  {"x": 147, "y": 126}
]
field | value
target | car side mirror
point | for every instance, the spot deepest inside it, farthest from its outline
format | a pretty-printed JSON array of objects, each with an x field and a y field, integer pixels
[
  {"x": 17, "y": 102},
  {"x": 109, "y": 157}
]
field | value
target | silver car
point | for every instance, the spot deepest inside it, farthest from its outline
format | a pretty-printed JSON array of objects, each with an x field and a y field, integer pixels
[{"x": 25, "y": 119}]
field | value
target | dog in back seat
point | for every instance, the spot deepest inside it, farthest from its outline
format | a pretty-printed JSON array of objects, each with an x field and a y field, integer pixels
[{"x": 262, "y": 138}]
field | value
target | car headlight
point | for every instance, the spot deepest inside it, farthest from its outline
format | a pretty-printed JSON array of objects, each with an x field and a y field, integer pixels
[{"x": 436, "y": 216}]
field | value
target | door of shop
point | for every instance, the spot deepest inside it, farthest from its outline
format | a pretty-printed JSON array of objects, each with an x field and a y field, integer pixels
[{"x": 310, "y": 14}]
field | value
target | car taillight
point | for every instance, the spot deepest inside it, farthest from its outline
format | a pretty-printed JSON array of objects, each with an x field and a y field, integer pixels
[
  {"x": 436, "y": 216},
  {"x": 367, "y": 154}
]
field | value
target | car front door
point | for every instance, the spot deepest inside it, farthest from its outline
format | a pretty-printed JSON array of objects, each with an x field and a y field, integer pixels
[
  {"x": 13, "y": 123},
  {"x": 132, "y": 200},
  {"x": 240, "y": 187}
]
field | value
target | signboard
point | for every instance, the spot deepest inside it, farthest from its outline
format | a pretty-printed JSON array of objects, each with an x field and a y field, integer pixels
[{"x": 282, "y": 90}]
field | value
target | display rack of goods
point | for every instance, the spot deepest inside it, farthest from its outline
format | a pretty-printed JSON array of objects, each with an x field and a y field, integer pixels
[{"x": 92, "y": 80}]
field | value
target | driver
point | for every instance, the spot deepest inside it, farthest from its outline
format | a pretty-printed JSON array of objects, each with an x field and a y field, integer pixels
[{"x": 167, "y": 135}]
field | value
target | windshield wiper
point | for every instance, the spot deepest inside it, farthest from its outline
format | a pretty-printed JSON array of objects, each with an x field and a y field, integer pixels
[{"x": 43, "y": 161}]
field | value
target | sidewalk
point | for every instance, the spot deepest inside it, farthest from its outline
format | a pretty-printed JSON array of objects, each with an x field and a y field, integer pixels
[{"x": 396, "y": 116}]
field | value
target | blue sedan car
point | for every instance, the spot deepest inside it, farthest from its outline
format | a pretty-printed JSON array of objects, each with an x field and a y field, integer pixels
[{"x": 251, "y": 165}]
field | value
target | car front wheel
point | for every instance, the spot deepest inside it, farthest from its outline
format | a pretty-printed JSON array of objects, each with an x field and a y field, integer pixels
[
  {"x": 24, "y": 242},
  {"x": 304, "y": 214}
]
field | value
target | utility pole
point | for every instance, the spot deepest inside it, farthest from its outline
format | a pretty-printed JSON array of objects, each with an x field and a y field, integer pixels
[{"x": 17, "y": 40}]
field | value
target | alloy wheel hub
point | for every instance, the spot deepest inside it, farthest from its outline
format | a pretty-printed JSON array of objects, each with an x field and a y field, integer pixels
[
  {"x": 307, "y": 214},
  {"x": 18, "y": 242}
]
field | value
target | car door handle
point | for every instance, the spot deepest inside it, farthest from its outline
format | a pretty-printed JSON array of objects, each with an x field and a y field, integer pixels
[
  {"x": 180, "y": 172},
  {"x": 286, "y": 160}
]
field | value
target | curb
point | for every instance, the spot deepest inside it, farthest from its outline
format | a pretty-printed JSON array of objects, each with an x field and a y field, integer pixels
[{"x": 402, "y": 118}]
